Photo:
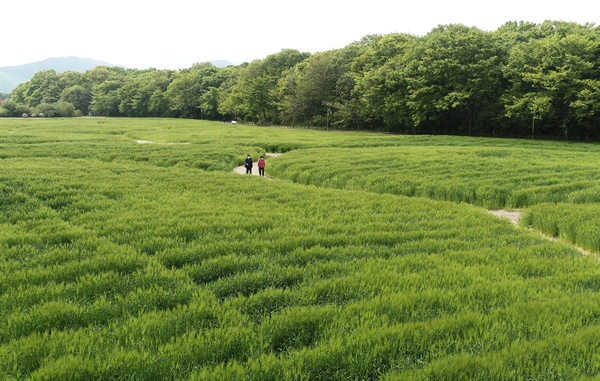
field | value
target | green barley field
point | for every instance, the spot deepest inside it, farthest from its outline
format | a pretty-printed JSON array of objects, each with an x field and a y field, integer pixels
[{"x": 362, "y": 257}]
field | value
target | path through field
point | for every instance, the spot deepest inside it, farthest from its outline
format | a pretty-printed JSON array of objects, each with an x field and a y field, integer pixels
[
  {"x": 512, "y": 215},
  {"x": 242, "y": 169},
  {"x": 151, "y": 142}
]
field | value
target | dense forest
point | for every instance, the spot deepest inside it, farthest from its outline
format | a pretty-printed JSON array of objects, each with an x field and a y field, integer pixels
[{"x": 523, "y": 79}]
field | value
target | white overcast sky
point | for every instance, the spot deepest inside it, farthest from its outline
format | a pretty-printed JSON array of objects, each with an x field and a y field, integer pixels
[{"x": 174, "y": 34}]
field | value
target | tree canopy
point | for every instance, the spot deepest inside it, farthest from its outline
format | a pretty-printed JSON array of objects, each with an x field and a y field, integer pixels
[{"x": 454, "y": 80}]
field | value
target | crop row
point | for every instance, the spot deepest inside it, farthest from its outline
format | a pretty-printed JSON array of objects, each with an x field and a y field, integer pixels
[
  {"x": 226, "y": 276},
  {"x": 492, "y": 177},
  {"x": 578, "y": 224},
  {"x": 488, "y": 176},
  {"x": 127, "y": 268}
]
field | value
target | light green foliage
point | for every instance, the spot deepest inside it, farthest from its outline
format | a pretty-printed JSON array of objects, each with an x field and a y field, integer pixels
[
  {"x": 563, "y": 83},
  {"x": 455, "y": 67},
  {"x": 254, "y": 94},
  {"x": 121, "y": 260},
  {"x": 578, "y": 224},
  {"x": 485, "y": 172},
  {"x": 490, "y": 173}
]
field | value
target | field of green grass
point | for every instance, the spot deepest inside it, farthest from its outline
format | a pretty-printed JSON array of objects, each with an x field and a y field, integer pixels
[{"x": 369, "y": 256}]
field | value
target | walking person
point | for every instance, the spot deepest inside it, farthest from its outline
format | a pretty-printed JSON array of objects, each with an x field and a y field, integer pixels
[
  {"x": 248, "y": 164},
  {"x": 261, "y": 166}
]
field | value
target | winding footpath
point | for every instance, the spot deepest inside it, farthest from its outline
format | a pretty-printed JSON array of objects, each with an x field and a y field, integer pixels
[
  {"x": 242, "y": 170},
  {"x": 514, "y": 216},
  {"x": 511, "y": 215}
]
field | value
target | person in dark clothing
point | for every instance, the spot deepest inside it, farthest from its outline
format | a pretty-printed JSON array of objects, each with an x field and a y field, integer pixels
[{"x": 248, "y": 164}]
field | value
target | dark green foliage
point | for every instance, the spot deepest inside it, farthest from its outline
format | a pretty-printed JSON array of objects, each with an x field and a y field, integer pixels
[{"x": 522, "y": 80}]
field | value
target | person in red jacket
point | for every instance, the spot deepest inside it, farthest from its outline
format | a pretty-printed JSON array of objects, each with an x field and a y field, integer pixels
[{"x": 261, "y": 166}]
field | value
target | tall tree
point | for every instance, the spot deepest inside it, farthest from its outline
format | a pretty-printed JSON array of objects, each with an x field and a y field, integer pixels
[
  {"x": 229, "y": 94},
  {"x": 105, "y": 83},
  {"x": 187, "y": 88},
  {"x": 105, "y": 100},
  {"x": 78, "y": 96},
  {"x": 379, "y": 50},
  {"x": 381, "y": 90},
  {"x": 453, "y": 77},
  {"x": 43, "y": 87},
  {"x": 316, "y": 88},
  {"x": 138, "y": 89},
  {"x": 555, "y": 79},
  {"x": 383, "y": 97},
  {"x": 256, "y": 94}
]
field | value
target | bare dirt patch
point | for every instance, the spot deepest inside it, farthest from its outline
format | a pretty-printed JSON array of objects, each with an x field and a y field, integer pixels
[
  {"x": 512, "y": 215},
  {"x": 151, "y": 142}
]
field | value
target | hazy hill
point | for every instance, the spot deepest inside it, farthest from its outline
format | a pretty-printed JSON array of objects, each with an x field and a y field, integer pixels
[
  {"x": 11, "y": 76},
  {"x": 222, "y": 63}
]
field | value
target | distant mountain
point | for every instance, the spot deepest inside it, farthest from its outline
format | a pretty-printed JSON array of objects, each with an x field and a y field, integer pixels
[
  {"x": 221, "y": 63},
  {"x": 12, "y": 76}
]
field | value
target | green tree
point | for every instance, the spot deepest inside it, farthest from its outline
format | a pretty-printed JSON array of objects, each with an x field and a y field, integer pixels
[
  {"x": 72, "y": 78},
  {"x": 188, "y": 86},
  {"x": 383, "y": 96},
  {"x": 78, "y": 96},
  {"x": 380, "y": 49},
  {"x": 10, "y": 108},
  {"x": 314, "y": 92},
  {"x": 317, "y": 88},
  {"x": 149, "y": 99},
  {"x": 158, "y": 105},
  {"x": 229, "y": 100},
  {"x": 138, "y": 87},
  {"x": 105, "y": 100},
  {"x": 43, "y": 87},
  {"x": 104, "y": 83},
  {"x": 209, "y": 104},
  {"x": 256, "y": 93},
  {"x": 100, "y": 74},
  {"x": 381, "y": 90},
  {"x": 454, "y": 79},
  {"x": 57, "y": 109},
  {"x": 555, "y": 79}
]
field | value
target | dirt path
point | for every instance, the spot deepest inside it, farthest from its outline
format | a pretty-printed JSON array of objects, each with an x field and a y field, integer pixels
[
  {"x": 512, "y": 215},
  {"x": 242, "y": 169},
  {"x": 151, "y": 142}
]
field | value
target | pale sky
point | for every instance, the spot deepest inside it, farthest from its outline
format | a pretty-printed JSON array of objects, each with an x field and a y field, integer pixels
[{"x": 175, "y": 34}]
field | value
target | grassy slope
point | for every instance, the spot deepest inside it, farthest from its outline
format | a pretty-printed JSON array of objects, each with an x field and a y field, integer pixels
[{"x": 156, "y": 262}]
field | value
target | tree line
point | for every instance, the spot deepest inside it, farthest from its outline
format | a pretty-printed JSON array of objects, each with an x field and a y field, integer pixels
[{"x": 523, "y": 79}]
